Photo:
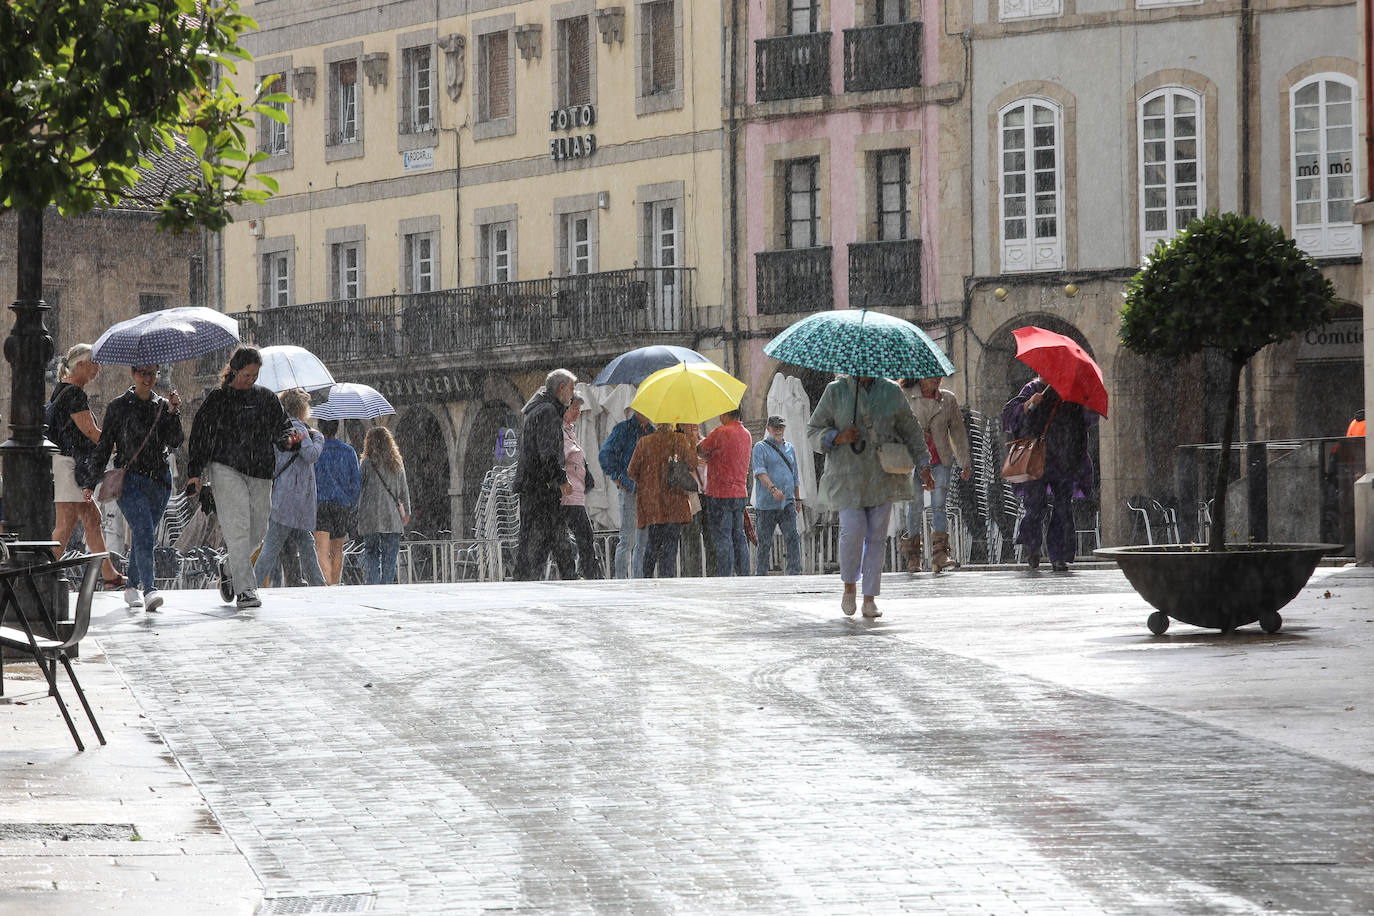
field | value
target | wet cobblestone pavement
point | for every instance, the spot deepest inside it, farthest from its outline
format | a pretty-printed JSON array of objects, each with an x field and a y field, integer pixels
[{"x": 731, "y": 746}]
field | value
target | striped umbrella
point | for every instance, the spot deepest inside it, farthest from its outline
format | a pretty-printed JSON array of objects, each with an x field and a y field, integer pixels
[{"x": 352, "y": 401}]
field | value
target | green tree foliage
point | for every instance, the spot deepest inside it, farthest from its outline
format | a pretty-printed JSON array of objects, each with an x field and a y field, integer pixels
[
  {"x": 1231, "y": 282},
  {"x": 92, "y": 90}
]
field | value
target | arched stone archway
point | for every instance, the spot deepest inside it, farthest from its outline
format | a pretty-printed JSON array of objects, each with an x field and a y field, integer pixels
[
  {"x": 491, "y": 438},
  {"x": 424, "y": 448}
]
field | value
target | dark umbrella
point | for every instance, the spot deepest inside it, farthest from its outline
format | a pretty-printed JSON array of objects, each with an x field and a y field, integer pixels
[
  {"x": 165, "y": 336},
  {"x": 635, "y": 366}
]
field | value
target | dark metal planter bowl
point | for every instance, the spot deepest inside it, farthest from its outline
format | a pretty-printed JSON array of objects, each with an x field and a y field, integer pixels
[{"x": 1222, "y": 591}]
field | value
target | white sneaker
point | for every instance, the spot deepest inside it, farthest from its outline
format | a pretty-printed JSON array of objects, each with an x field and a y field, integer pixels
[
  {"x": 132, "y": 598},
  {"x": 848, "y": 604},
  {"x": 871, "y": 608},
  {"x": 152, "y": 601}
]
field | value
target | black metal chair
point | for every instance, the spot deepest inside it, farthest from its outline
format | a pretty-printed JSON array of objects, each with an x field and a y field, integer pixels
[{"x": 20, "y": 589}]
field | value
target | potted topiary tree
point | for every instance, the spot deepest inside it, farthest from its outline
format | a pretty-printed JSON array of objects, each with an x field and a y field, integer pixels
[{"x": 1236, "y": 284}]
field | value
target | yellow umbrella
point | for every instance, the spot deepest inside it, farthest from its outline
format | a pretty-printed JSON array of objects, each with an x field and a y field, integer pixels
[{"x": 688, "y": 393}]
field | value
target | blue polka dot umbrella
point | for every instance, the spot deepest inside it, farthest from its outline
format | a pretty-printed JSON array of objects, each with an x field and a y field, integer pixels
[
  {"x": 166, "y": 336},
  {"x": 860, "y": 342},
  {"x": 353, "y": 401}
]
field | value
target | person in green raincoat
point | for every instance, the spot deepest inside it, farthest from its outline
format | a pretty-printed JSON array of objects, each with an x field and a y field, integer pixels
[{"x": 854, "y": 419}]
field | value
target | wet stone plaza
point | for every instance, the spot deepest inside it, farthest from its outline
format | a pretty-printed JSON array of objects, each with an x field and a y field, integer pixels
[{"x": 998, "y": 742}]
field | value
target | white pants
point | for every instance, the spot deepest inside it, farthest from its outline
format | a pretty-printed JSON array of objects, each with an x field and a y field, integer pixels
[
  {"x": 863, "y": 540},
  {"x": 242, "y": 505}
]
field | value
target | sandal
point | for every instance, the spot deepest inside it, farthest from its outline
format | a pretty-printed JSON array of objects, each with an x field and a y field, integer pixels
[{"x": 116, "y": 582}]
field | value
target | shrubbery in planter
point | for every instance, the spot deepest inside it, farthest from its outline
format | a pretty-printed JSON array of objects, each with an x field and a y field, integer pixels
[{"x": 1235, "y": 283}]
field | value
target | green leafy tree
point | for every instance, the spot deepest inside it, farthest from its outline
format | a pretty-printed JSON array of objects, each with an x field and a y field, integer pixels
[
  {"x": 1230, "y": 282},
  {"x": 91, "y": 92}
]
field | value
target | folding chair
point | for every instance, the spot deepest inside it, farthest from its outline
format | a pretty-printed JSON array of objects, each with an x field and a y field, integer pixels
[{"x": 47, "y": 652}]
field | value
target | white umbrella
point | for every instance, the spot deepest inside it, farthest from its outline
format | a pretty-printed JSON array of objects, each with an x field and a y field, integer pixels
[
  {"x": 352, "y": 401},
  {"x": 285, "y": 367},
  {"x": 165, "y": 336}
]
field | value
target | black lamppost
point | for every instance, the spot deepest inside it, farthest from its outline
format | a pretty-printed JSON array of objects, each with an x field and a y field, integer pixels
[{"x": 28, "y": 488}]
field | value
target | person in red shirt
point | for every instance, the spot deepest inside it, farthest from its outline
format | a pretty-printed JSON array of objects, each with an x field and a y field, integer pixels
[{"x": 726, "y": 451}]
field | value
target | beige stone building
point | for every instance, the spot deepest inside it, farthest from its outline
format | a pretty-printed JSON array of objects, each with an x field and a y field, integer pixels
[{"x": 475, "y": 193}]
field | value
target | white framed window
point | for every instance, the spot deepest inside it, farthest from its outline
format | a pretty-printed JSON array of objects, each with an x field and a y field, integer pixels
[
  {"x": 801, "y": 197},
  {"x": 1030, "y": 167},
  {"x": 418, "y": 90},
  {"x": 891, "y": 186},
  {"x": 577, "y": 243},
  {"x": 891, "y": 12},
  {"x": 276, "y": 280},
  {"x": 346, "y": 269},
  {"x": 575, "y": 61},
  {"x": 1171, "y": 158},
  {"x": 343, "y": 90},
  {"x": 803, "y": 16},
  {"x": 1325, "y": 169},
  {"x": 498, "y": 253},
  {"x": 419, "y": 264},
  {"x": 273, "y": 135},
  {"x": 663, "y": 238},
  {"x": 1029, "y": 9},
  {"x": 495, "y": 76}
]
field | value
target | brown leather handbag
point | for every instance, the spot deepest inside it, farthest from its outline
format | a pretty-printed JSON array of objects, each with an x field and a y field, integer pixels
[{"x": 1025, "y": 459}]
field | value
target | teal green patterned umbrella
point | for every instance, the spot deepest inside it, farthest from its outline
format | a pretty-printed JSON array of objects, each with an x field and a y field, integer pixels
[{"x": 860, "y": 342}]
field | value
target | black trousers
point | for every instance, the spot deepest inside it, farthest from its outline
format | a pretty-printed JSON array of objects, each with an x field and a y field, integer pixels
[
  {"x": 578, "y": 522},
  {"x": 541, "y": 528}
]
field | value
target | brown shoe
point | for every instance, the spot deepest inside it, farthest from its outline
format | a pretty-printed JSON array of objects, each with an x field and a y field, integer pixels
[
  {"x": 939, "y": 551},
  {"x": 911, "y": 549}
]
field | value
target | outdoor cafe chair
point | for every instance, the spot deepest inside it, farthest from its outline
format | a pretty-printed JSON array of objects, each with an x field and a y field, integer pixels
[{"x": 49, "y": 651}]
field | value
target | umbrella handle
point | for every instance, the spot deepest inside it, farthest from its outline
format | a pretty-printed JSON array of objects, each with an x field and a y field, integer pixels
[{"x": 859, "y": 446}]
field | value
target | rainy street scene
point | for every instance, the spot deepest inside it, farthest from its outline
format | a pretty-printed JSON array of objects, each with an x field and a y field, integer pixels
[{"x": 546, "y": 456}]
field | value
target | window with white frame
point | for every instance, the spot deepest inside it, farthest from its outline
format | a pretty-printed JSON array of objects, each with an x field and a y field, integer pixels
[
  {"x": 1171, "y": 161},
  {"x": 273, "y": 134},
  {"x": 417, "y": 87},
  {"x": 419, "y": 265},
  {"x": 660, "y": 48},
  {"x": 801, "y": 195},
  {"x": 1030, "y": 9},
  {"x": 1031, "y": 182},
  {"x": 1324, "y": 166},
  {"x": 276, "y": 280},
  {"x": 498, "y": 253},
  {"x": 891, "y": 12},
  {"x": 575, "y": 61},
  {"x": 346, "y": 270},
  {"x": 891, "y": 184},
  {"x": 662, "y": 238},
  {"x": 343, "y": 103},
  {"x": 576, "y": 243},
  {"x": 803, "y": 16},
  {"x": 494, "y": 84}
]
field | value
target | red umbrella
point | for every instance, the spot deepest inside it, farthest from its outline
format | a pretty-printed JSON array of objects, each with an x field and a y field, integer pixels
[{"x": 1065, "y": 365}]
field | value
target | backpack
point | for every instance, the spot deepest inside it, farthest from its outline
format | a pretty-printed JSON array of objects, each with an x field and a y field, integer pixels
[{"x": 57, "y": 424}]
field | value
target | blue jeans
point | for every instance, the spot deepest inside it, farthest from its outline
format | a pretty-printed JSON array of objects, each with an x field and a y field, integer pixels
[
  {"x": 726, "y": 515},
  {"x": 661, "y": 556},
  {"x": 142, "y": 503},
  {"x": 863, "y": 537},
  {"x": 380, "y": 550},
  {"x": 279, "y": 536},
  {"x": 629, "y": 552},
  {"x": 786, "y": 519},
  {"x": 939, "y": 521}
]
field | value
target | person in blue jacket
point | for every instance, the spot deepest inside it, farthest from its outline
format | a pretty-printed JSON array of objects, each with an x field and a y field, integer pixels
[
  {"x": 614, "y": 458},
  {"x": 337, "y": 484}
]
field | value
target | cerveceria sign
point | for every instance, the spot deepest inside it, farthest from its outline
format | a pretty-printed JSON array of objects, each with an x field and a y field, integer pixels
[
  {"x": 572, "y": 118},
  {"x": 431, "y": 387}
]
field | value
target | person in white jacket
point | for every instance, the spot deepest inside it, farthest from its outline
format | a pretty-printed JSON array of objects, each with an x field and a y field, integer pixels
[{"x": 937, "y": 409}]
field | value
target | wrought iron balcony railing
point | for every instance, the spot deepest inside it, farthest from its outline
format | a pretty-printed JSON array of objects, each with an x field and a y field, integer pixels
[
  {"x": 885, "y": 274},
  {"x": 882, "y": 57},
  {"x": 589, "y": 308},
  {"x": 794, "y": 280},
  {"x": 792, "y": 66}
]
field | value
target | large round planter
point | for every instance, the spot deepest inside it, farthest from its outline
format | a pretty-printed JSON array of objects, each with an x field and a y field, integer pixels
[{"x": 1244, "y": 584}]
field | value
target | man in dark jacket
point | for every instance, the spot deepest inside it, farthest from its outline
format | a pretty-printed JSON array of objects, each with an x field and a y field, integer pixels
[{"x": 540, "y": 480}]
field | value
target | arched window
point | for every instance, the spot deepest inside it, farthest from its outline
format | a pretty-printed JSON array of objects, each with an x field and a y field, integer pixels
[
  {"x": 1171, "y": 162},
  {"x": 1324, "y": 165},
  {"x": 1030, "y": 148}
]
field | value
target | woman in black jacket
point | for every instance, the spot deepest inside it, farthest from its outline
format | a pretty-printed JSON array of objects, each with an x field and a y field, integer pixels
[
  {"x": 140, "y": 428},
  {"x": 232, "y": 441}
]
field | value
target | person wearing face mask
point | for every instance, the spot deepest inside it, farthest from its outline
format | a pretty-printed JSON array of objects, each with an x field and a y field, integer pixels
[
  {"x": 232, "y": 442},
  {"x": 140, "y": 428}
]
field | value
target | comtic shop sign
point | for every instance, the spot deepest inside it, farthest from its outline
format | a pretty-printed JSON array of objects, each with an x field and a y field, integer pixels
[{"x": 1343, "y": 339}]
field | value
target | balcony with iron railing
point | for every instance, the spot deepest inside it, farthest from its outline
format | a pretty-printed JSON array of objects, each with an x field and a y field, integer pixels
[
  {"x": 598, "y": 312},
  {"x": 794, "y": 280},
  {"x": 885, "y": 274},
  {"x": 882, "y": 57},
  {"x": 792, "y": 66}
]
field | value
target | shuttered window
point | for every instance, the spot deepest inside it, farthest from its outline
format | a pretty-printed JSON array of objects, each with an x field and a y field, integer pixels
[
  {"x": 662, "y": 45},
  {"x": 577, "y": 65},
  {"x": 496, "y": 68}
]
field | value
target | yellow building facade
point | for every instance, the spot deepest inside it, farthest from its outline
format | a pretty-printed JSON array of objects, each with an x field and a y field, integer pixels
[{"x": 474, "y": 193}]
